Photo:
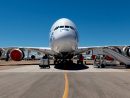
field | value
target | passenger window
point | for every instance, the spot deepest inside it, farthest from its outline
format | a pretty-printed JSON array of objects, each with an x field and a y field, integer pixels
[{"x": 66, "y": 26}]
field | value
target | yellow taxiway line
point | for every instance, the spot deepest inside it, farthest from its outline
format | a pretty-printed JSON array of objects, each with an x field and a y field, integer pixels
[{"x": 66, "y": 90}]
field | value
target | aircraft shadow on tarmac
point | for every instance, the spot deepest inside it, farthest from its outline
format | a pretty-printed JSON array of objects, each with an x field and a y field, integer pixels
[{"x": 71, "y": 66}]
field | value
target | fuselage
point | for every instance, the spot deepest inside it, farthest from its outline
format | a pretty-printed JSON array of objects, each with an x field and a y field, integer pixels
[{"x": 63, "y": 36}]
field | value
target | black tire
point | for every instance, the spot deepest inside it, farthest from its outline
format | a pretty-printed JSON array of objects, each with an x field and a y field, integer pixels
[
  {"x": 70, "y": 62},
  {"x": 54, "y": 62},
  {"x": 102, "y": 66},
  {"x": 77, "y": 61},
  {"x": 48, "y": 66},
  {"x": 98, "y": 65},
  {"x": 41, "y": 67},
  {"x": 127, "y": 66}
]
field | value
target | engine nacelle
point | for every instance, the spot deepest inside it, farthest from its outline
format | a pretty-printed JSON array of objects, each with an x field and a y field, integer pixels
[
  {"x": 126, "y": 50},
  {"x": 116, "y": 49},
  {"x": 1, "y": 51},
  {"x": 16, "y": 54}
]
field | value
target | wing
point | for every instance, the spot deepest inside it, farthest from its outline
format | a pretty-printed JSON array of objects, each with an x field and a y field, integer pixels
[
  {"x": 99, "y": 48},
  {"x": 119, "y": 53},
  {"x": 18, "y": 53},
  {"x": 45, "y": 50}
]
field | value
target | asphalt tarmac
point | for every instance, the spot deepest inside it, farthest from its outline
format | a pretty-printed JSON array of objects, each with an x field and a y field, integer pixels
[{"x": 86, "y": 82}]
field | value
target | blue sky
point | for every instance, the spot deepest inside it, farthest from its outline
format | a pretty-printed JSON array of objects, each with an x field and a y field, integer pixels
[{"x": 99, "y": 22}]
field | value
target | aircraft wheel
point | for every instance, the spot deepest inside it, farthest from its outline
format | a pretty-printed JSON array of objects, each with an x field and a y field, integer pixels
[
  {"x": 49, "y": 67},
  {"x": 102, "y": 66},
  {"x": 70, "y": 62},
  {"x": 99, "y": 67},
  {"x": 41, "y": 67},
  {"x": 77, "y": 61},
  {"x": 127, "y": 66}
]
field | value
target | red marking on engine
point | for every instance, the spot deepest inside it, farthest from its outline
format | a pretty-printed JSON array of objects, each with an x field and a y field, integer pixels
[{"x": 16, "y": 55}]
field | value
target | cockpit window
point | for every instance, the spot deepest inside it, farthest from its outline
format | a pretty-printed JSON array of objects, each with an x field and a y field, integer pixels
[
  {"x": 66, "y": 26},
  {"x": 56, "y": 28},
  {"x": 61, "y": 26},
  {"x": 71, "y": 27}
]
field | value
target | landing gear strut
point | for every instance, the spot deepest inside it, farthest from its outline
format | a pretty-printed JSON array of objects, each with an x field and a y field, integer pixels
[{"x": 63, "y": 61}]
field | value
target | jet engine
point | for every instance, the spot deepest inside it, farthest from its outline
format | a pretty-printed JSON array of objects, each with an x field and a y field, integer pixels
[
  {"x": 16, "y": 54},
  {"x": 126, "y": 51},
  {"x": 1, "y": 52},
  {"x": 116, "y": 49}
]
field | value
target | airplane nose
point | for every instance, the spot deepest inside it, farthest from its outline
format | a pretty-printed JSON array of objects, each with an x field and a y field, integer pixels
[
  {"x": 64, "y": 34},
  {"x": 64, "y": 30},
  {"x": 65, "y": 40}
]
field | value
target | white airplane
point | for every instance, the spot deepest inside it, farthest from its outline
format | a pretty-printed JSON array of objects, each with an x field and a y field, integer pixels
[{"x": 63, "y": 43}]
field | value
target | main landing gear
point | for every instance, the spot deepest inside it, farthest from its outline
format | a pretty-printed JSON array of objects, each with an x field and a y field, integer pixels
[{"x": 62, "y": 61}]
